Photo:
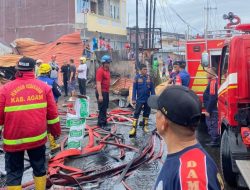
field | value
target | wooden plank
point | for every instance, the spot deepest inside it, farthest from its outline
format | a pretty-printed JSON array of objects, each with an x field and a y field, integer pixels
[{"x": 244, "y": 167}]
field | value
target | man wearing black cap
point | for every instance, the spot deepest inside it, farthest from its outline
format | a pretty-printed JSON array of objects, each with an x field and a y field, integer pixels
[
  {"x": 27, "y": 111},
  {"x": 188, "y": 165}
]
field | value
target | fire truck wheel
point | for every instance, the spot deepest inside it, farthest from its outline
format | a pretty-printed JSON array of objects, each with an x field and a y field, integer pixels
[{"x": 225, "y": 161}]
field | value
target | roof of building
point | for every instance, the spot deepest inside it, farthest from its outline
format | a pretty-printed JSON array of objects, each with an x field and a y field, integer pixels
[{"x": 66, "y": 47}]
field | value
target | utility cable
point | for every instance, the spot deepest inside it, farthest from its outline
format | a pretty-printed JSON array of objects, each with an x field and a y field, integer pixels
[
  {"x": 184, "y": 21},
  {"x": 165, "y": 18}
]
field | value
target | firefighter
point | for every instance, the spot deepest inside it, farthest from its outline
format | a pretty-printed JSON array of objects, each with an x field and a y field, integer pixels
[
  {"x": 27, "y": 111},
  {"x": 183, "y": 77},
  {"x": 143, "y": 87},
  {"x": 44, "y": 71},
  {"x": 210, "y": 98}
]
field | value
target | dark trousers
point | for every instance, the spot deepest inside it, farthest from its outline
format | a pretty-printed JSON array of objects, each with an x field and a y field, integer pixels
[
  {"x": 103, "y": 107},
  {"x": 14, "y": 164},
  {"x": 65, "y": 85},
  {"x": 212, "y": 126},
  {"x": 138, "y": 109},
  {"x": 82, "y": 86}
]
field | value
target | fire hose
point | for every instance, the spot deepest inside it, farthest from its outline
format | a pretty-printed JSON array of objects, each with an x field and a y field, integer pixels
[{"x": 63, "y": 175}]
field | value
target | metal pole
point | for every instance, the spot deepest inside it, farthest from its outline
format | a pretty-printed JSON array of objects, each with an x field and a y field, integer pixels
[
  {"x": 150, "y": 23},
  {"x": 137, "y": 39},
  {"x": 206, "y": 26},
  {"x": 128, "y": 19},
  {"x": 146, "y": 32},
  {"x": 153, "y": 25}
]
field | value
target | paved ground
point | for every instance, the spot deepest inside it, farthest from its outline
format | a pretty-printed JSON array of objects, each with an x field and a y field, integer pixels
[{"x": 143, "y": 178}]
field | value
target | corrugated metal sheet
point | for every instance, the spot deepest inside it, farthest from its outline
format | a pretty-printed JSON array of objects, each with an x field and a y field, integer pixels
[
  {"x": 122, "y": 83},
  {"x": 66, "y": 47}
]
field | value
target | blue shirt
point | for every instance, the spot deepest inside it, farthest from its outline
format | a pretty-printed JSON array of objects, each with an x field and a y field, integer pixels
[
  {"x": 185, "y": 77},
  {"x": 210, "y": 96},
  {"x": 49, "y": 81},
  {"x": 143, "y": 87},
  {"x": 191, "y": 168}
]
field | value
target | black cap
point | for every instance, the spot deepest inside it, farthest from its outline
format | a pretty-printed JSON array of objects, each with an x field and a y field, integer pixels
[
  {"x": 179, "y": 104},
  {"x": 180, "y": 63},
  {"x": 26, "y": 64}
]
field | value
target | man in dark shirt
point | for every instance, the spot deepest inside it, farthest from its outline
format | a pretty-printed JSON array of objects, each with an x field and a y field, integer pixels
[
  {"x": 143, "y": 87},
  {"x": 210, "y": 98},
  {"x": 65, "y": 70},
  {"x": 72, "y": 78},
  {"x": 188, "y": 165}
]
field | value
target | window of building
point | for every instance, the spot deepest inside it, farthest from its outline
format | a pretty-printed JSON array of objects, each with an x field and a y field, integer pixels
[
  {"x": 111, "y": 11},
  {"x": 82, "y": 6},
  {"x": 101, "y": 7},
  {"x": 118, "y": 13},
  {"x": 224, "y": 65},
  {"x": 114, "y": 12},
  {"x": 93, "y": 7}
]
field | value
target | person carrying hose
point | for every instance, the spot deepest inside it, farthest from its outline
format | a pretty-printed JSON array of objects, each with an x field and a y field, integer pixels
[
  {"x": 143, "y": 87},
  {"x": 44, "y": 70},
  {"x": 27, "y": 111}
]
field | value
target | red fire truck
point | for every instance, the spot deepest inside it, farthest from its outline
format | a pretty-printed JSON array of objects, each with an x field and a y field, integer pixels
[
  {"x": 234, "y": 107},
  {"x": 194, "y": 50}
]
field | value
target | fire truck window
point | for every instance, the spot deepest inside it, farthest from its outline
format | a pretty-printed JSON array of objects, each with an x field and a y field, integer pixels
[
  {"x": 215, "y": 60},
  {"x": 224, "y": 66}
]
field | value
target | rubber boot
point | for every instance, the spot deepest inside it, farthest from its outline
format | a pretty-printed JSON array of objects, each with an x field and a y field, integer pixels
[
  {"x": 19, "y": 187},
  {"x": 132, "y": 132},
  {"x": 145, "y": 125},
  {"x": 52, "y": 142},
  {"x": 40, "y": 183}
]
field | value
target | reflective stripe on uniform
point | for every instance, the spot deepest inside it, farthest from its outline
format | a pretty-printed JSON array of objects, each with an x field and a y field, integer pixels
[
  {"x": 53, "y": 121},
  {"x": 25, "y": 140},
  {"x": 25, "y": 107}
]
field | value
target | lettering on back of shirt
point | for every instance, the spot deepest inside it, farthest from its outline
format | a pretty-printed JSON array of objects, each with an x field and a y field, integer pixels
[{"x": 193, "y": 170}]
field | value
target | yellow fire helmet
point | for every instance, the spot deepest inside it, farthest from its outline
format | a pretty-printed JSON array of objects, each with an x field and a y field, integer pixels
[
  {"x": 83, "y": 59},
  {"x": 44, "y": 68}
]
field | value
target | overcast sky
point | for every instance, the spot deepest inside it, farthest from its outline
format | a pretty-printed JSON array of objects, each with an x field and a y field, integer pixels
[{"x": 192, "y": 11}]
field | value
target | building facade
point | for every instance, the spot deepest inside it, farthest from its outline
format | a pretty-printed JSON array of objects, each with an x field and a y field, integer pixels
[
  {"x": 47, "y": 20},
  {"x": 42, "y": 20},
  {"x": 106, "y": 18}
]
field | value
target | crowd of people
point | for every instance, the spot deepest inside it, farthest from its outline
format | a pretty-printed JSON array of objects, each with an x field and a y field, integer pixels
[
  {"x": 70, "y": 74},
  {"x": 179, "y": 110},
  {"x": 188, "y": 165}
]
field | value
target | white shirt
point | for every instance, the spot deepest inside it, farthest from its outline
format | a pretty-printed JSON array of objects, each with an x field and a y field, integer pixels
[
  {"x": 54, "y": 70},
  {"x": 82, "y": 71}
]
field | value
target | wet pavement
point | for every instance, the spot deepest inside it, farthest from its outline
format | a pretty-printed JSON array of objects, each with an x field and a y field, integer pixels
[{"x": 142, "y": 178}]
